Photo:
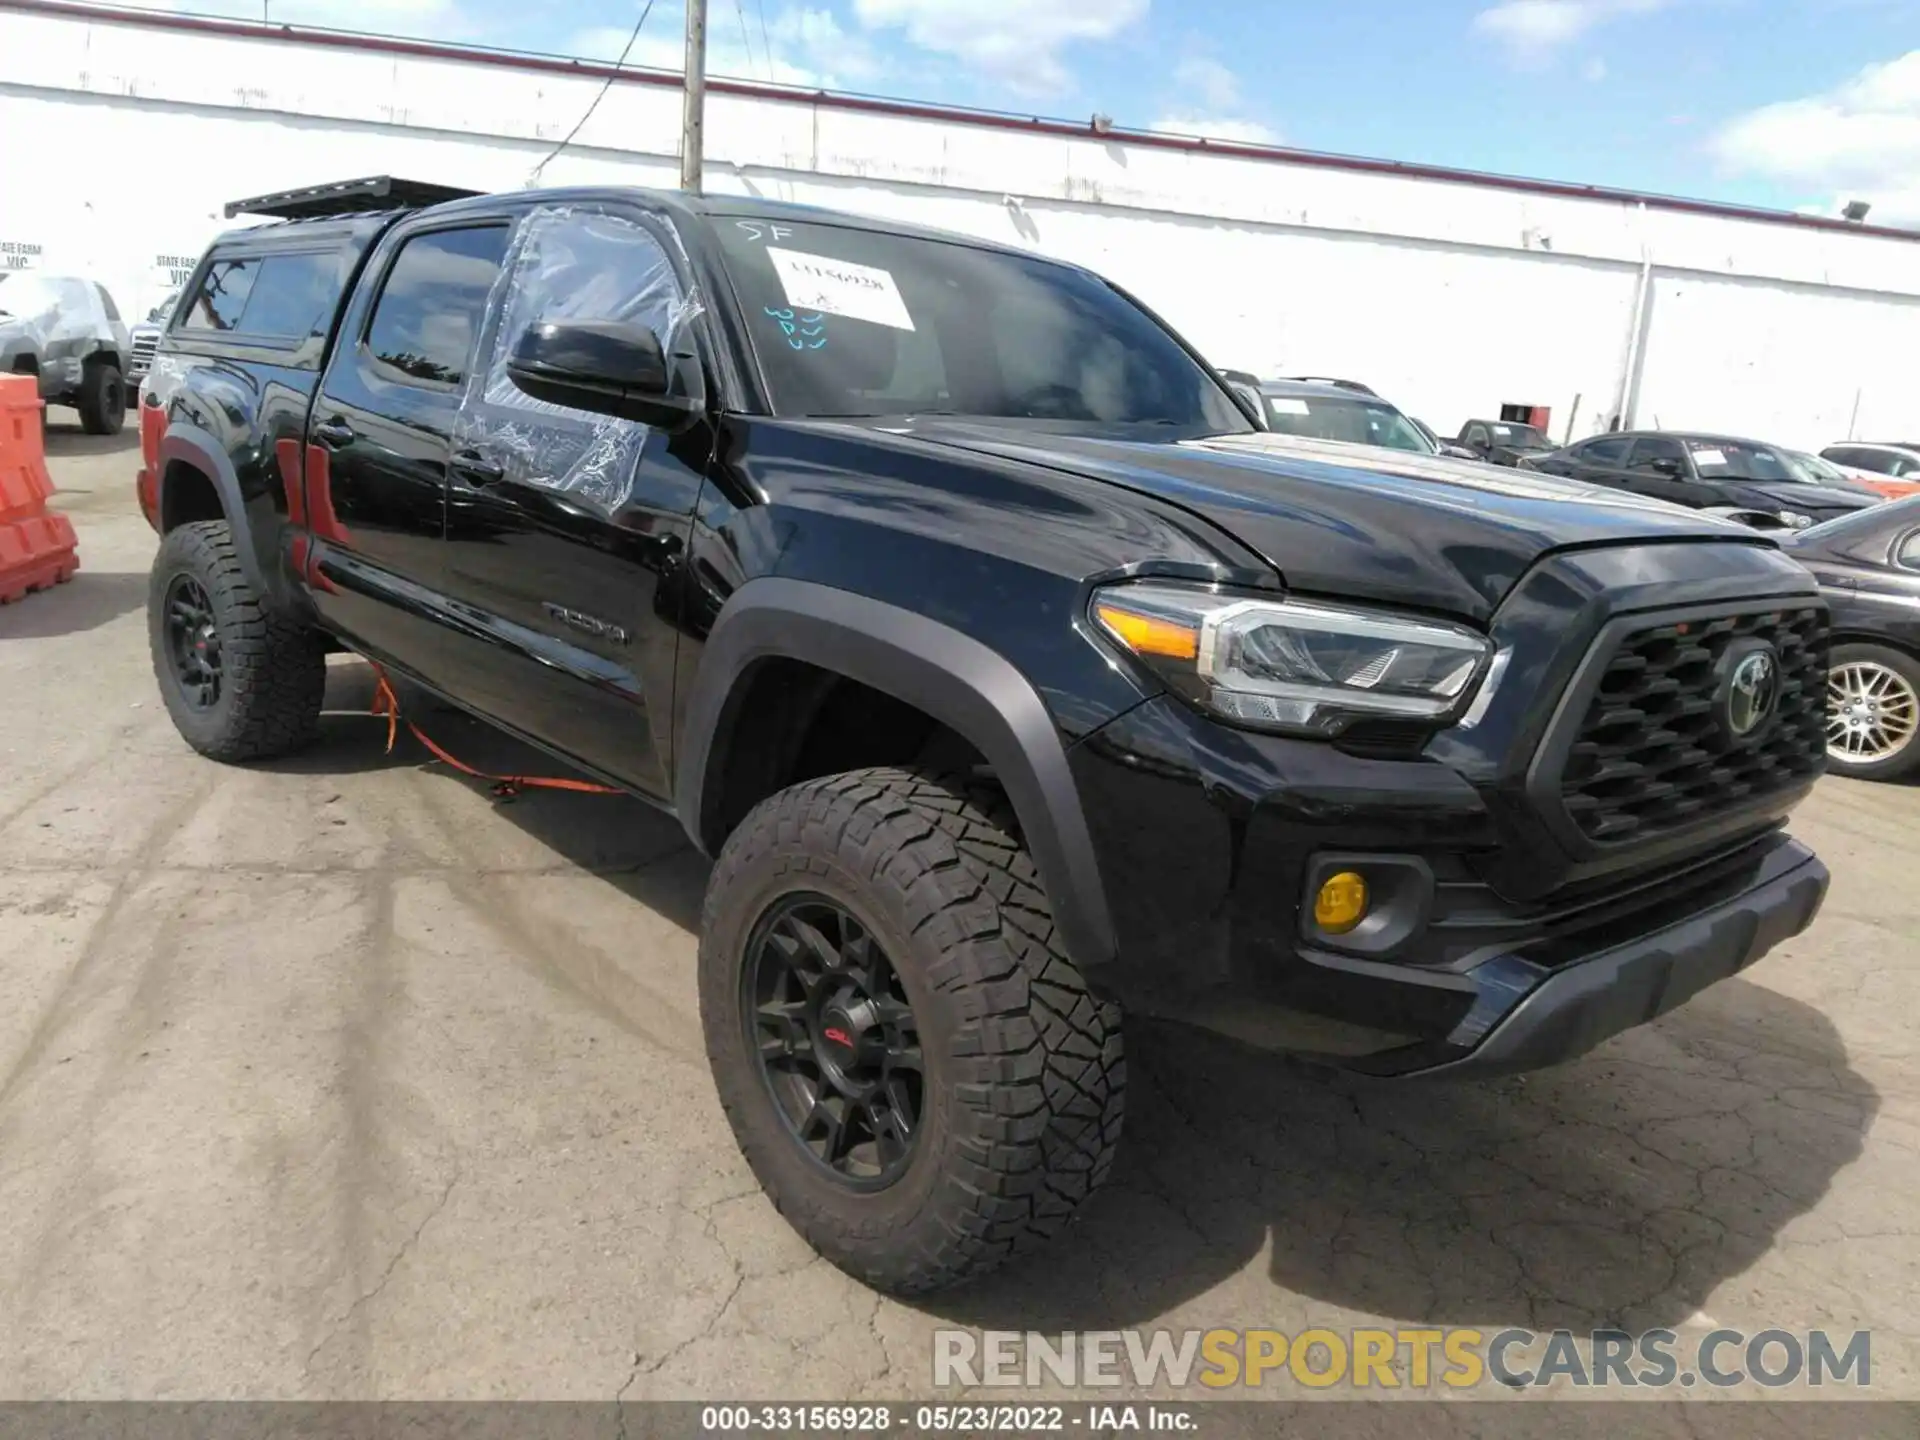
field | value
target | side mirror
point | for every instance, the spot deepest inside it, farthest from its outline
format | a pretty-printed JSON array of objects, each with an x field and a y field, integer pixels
[
  {"x": 1668, "y": 466},
  {"x": 609, "y": 367}
]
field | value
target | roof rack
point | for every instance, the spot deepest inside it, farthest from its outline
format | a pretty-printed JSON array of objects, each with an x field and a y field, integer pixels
[{"x": 348, "y": 197}]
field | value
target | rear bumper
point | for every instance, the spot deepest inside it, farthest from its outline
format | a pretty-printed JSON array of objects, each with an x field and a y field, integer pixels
[{"x": 1525, "y": 1018}]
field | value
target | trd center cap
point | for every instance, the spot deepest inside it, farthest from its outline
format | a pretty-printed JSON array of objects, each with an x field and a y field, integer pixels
[{"x": 848, "y": 1035}]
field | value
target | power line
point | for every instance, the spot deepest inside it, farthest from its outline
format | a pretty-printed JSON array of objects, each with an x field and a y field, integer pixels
[
  {"x": 745, "y": 42},
  {"x": 766, "y": 48},
  {"x": 580, "y": 124}
]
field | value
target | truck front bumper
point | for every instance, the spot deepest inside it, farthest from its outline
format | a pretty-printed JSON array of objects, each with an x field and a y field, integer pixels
[
  {"x": 1211, "y": 845},
  {"x": 1527, "y": 1016}
]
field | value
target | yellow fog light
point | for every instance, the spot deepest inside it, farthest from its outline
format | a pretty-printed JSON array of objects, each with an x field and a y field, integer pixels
[{"x": 1341, "y": 903}]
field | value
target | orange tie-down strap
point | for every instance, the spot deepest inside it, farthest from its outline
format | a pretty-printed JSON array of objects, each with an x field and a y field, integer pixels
[{"x": 386, "y": 705}]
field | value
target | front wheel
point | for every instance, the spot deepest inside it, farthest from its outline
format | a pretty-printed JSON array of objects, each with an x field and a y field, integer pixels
[
  {"x": 1873, "y": 712},
  {"x": 912, "y": 1065}
]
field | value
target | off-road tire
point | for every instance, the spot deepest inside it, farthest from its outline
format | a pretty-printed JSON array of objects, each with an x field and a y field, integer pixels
[
  {"x": 275, "y": 671},
  {"x": 1903, "y": 761},
  {"x": 102, "y": 401},
  {"x": 1025, "y": 1074}
]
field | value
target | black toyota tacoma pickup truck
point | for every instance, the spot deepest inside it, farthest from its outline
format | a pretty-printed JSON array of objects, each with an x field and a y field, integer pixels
[{"x": 1013, "y": 677}]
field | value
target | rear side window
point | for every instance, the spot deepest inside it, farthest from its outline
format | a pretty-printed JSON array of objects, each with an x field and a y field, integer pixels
[
  {"x": 279, "y": 297},
  {"x": 221, "y": 298},
  {"x": 293, "y": 295},
  {"x": 424, "y": 324}
]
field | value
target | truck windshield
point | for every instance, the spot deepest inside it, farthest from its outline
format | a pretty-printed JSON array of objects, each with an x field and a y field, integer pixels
[
  {"x": 1355, "y": 420},
  {"x": 850, "y": 322},
  {"x": 1735, "y": 460}
]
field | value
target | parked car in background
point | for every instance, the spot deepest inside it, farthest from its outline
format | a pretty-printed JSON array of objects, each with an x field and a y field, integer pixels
[
  {"x": 1325, "y": 411},
  {"x": 1899, "y": 460},
  {"x": 67, "y": 331},
  {"x": 1504, "y": 442},
  {"x": 1868, "y": 566},
  {"x": 1442, "y": 447},
  {"x": 1818, "y": 471},
  {"x": 145, "y": 339},
  {"x": 1705, "y": 472}
]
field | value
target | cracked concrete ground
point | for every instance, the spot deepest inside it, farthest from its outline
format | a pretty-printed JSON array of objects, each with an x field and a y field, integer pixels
[{"x": 333, "y": 1078}]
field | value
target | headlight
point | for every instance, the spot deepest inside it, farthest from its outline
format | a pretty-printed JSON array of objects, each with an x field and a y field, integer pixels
[
  {"x": 1294, "y": 665},
  {"x": 1794, "y": 520}
]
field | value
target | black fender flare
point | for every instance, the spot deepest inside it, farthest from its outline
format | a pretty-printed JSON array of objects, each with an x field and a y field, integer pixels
[
  {"x": 188, "y": 444},
  {"x": 972, "y": 690}
]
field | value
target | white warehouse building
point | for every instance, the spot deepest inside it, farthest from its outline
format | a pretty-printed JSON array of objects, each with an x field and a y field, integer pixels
[{"x": 1452, "y": 293}]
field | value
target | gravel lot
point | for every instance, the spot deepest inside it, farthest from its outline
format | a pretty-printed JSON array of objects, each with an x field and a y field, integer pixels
[{"x": 334, "y": 1078}]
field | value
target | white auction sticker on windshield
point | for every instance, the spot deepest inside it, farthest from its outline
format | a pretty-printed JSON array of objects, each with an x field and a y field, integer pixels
[
  {"x": 1283, "y": 406},
  {"x": 1709, "y": 457},
  {"x": 839, "y": 287}
]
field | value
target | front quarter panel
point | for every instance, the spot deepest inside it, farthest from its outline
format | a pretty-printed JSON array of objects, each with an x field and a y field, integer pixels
[{"x": 989, "y": 547}]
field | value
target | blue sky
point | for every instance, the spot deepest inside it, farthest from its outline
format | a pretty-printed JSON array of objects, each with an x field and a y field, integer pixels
[{"x": 1798, "y": 104}]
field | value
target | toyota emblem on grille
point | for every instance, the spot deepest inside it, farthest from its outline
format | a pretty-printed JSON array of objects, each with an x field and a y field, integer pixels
[{"x": 1752, "y": 691}]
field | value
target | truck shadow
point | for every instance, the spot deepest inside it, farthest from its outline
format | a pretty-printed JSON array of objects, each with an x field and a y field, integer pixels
[
  {"x": 623, "y": 840},
  {"x": 65, "y": 437},
  {"x": 1623, "y": 1189}
]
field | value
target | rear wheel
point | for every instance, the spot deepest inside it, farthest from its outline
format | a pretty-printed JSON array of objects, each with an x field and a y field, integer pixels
[
  {"x": 102, "y": 401},
  {"x": 240, "y": 681},
  {"x": 912, "y": 1065},
  {"x": 1873, "y": 712}
]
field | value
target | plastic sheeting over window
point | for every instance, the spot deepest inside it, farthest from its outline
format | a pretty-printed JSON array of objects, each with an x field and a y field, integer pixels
[{"x": 568, "y": 263}]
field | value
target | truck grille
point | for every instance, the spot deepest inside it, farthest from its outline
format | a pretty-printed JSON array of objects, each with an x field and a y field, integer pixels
[
  {"x": 144, "y": 347},
  {"x": 1651, "y": 754}
]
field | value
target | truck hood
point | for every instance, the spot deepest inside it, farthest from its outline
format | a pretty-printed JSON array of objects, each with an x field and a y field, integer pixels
[
  {"x": 1792, "y": 495},
  {"x": 1355, "y": 520}
]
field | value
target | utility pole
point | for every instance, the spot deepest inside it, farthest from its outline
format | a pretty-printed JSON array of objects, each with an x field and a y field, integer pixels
[{"x": 692, "y": 146}]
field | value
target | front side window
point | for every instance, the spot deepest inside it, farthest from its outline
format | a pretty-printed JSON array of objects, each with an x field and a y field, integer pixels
[
  {"x": 1873, "y": 460},
  {"x": 1355, "y": 421},
  {"x": 1610, "y": 450},
  {"x": 570, "y": 264},
  {"x": 424, "y": 325},
  {"x": 1648, "y": 455},
  {"x": 849, "y": 322}
]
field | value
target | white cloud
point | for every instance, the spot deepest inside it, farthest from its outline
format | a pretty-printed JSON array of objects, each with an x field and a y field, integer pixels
[
  {"x": 1859, "y": 141},
  {"x": 1534, "y": 30},
  {"x": 1595, "y": 69},
  {"x": 1217, "y": 87},
  {"x": 1015, "y": 42},
  {"x": 1249, "y": 132},
  {"x": 801, "y": 47}
]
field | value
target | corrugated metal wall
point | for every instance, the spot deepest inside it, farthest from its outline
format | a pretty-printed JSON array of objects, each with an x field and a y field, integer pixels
[{"x": 1451, "y": 297}]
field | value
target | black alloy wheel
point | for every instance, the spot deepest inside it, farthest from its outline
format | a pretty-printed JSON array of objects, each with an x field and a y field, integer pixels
[
  {"x": 836, "y": 1040},
  {"x": 193, "y": 642}
]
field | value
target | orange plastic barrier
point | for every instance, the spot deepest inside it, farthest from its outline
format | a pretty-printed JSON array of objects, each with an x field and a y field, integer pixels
[{"x": 38, "y": 548}]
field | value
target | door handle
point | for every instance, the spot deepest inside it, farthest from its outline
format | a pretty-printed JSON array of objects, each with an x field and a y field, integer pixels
[
  {"x": 335, "y": 434},
  {"x": 477, "y": 469}
]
